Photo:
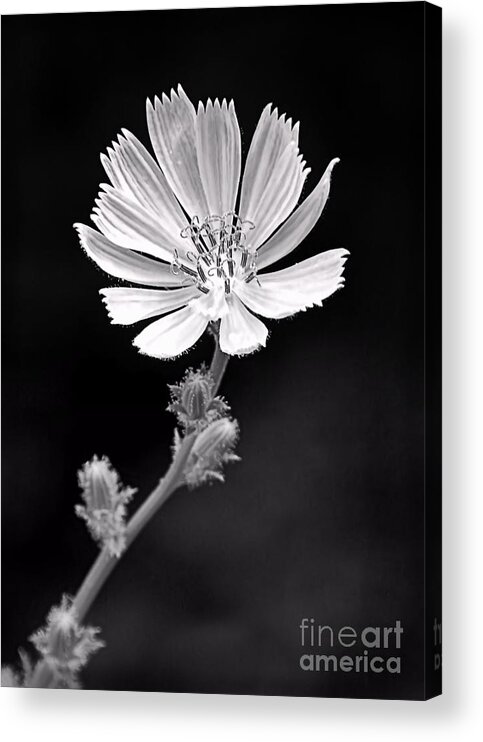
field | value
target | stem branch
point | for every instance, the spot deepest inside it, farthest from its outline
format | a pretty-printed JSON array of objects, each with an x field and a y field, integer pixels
[{"x": 105, "y": 562}]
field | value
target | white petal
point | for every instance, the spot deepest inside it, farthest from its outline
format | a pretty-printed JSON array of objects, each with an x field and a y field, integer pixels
[
  {"x": 126, "y": 223},
  {"x": 172, "y": 128},
  {"x": 171, "y": 335},
  {"x": 132, "y": 170},
  {"x": 240, "y": 331},
  {"x": 297, "y": 227},
  {"x": 218, "y": 146},
  {"x": 297, "y": 288},
  {"x": 212, "y": 305},
  {"x": 271, "y": 138},
  {"x": 123, "y": 263},
  {"x": 280, "y": 196},
  {"x": 126, "y": 305}
]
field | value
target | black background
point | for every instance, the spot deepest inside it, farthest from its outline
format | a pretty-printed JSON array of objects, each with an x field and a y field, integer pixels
[{"x": 324, "y": 516}]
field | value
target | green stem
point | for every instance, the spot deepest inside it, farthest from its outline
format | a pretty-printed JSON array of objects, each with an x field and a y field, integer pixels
[{"x": 105, "y": 562}]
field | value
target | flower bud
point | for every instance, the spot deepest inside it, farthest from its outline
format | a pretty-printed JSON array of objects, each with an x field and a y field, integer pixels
[
  {"x": 65, "y": 644},
  {"x": 196, "y": 397},
  {"x": 101, "y": 482},
  {"x": 105, "y": 504},
  {"x": 211, "y": 450},
  {"x": 193, "y": 401},
  {"x": 10, "y": 678},
  {"x": 218, "y": 437},
  {"x": 62, "y": 635},
  {"x": 14, "y": 677}
]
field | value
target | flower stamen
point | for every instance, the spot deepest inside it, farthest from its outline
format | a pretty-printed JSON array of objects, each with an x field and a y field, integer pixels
[{"x": 221, "y": 252}]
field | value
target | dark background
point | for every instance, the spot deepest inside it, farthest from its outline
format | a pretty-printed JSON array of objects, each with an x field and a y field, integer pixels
[{"x": 323, "y": 517}]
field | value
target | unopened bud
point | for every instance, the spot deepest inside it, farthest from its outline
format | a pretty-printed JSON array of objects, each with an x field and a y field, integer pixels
[
  {"x": 211, "y": 450},
  {"x": 14, "y": 677},
  {"x": 62, "y": 635},
  {"x": 105, "y": 504},
  {"x": 10, "y": 678},
  {"x": 65, "y": 644},
  {"x": 101, "y": 482},
  {"x": 216, "y": 438},
  {"x": 193, "y": 400},
  {"x": 196, "y": 397}
]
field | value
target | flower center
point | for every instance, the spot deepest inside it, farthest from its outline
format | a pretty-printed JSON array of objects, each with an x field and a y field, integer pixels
[{"x": 219, "y": 254}]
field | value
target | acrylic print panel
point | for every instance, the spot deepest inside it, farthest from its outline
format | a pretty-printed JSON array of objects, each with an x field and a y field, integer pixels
[{"x": 314, "y": 545}]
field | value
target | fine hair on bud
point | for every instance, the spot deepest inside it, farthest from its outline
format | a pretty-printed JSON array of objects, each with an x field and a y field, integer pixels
[
  {"x": 105, "y": 501},
  {"x": 65, "y": 644},
  {"x": 212, "y": 449},
  {"x": 193, "y": 400}
]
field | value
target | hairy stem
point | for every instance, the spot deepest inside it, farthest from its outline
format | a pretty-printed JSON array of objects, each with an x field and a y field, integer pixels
[{"x": 105, "y": 562}]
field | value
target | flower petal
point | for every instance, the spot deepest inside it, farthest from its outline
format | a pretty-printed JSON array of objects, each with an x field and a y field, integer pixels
[
  {"x": 272, "y": 135},
  {"x": 240, "y": 331},
  {"x": 218, "y": 145},
  {"x": 172, "y": 335},
  {"x": 212, "y": 305},
  {"x": 297, "y": 227},
  {"x": 126, "y": 305},
  {"x": 280, "y": 196},
  {"x": 172, "y": 128},
  {"x": 133, "y": 171},
  {"x": 296, "y": 288},
  {"x": 126, "y": 223},
  {"x": 123, "y": 263}
]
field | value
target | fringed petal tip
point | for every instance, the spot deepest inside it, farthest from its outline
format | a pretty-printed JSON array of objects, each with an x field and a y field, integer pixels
[
  {"x": 294, "y": 230},
  {"x": 174, "y": 93},
  {"x": 344, "y": 255},
  {"x": 83, "y": 235},
  {"x": 81, "y": 230},
  {"x": 241, "y": 333},
  {"x": 297, "y": 288},
  {"x": 110, "y": 313},
  {"x": 172, "y": 130},
  {"x": 158, "y": 356},
  {"x": 171, "y": 335},
  {"x": 104, "y": 299},
  {"x": 123, "y": 263},
  {"x": 274, "y": 175},
  {"x": 243, "y": 352},
  {"x": 126, "y": 305},
  {"x": 224, "y": 105}
]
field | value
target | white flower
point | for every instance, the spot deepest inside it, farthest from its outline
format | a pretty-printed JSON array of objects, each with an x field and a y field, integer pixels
[{"x": 175, "y": 227}]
